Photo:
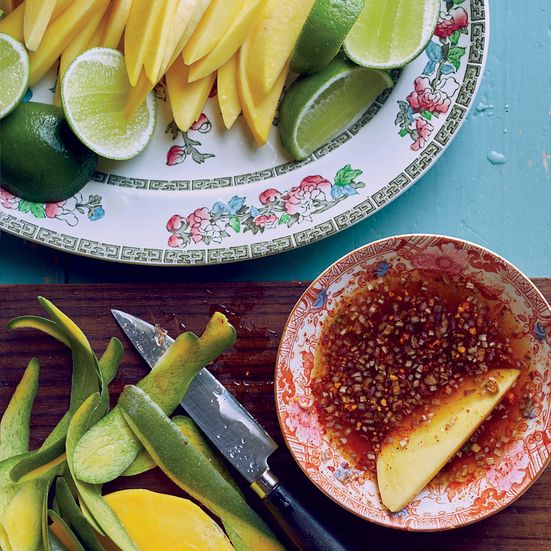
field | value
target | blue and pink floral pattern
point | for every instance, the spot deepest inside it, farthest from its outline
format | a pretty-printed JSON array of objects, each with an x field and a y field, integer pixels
[
  {"x": 314, "y": 194},
  {"x": 68, "y": 210},
  {"x": 434, "y": 90}
]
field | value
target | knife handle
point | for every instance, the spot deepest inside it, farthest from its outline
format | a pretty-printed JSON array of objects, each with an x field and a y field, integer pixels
[{"x": 300, "y": 526}]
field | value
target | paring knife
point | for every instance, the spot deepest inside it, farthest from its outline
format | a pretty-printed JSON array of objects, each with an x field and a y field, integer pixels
[{"x": 242, "y": 441}]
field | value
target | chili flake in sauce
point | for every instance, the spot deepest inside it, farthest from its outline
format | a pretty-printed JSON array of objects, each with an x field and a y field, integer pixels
[{"x": 393, "y": 347}]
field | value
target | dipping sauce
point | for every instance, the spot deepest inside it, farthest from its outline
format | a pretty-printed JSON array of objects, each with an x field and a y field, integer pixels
[{"x": 394, "y": 348}]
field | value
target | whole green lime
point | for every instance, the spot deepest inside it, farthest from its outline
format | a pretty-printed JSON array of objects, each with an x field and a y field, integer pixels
[{"x": 41, "y": 160}]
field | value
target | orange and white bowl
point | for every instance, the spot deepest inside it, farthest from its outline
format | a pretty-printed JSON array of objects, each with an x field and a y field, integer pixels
[{"x": 442, "y": 504}]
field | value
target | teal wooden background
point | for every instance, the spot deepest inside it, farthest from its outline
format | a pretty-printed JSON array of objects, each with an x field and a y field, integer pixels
[{"x": 505, "y": 207}]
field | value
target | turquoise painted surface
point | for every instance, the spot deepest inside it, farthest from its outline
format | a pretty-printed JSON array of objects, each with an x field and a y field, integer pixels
[{"x": 491, "y": 186}]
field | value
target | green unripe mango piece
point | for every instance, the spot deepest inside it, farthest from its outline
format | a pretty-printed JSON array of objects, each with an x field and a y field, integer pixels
[
  {"x": 28, "y": 463},
  {"x": 192, "y": 432},
  {"x": 86, "y": 376},
  {"x": 14, "y": 440},
  {"x": 24, "y": 518},
  {"x": 192, "y": 471},
  {"x": 14, "y": 426},
  {"x": 90, "y": 494},
  {"x": 42, "y": 324},
  {"x": 61, "y": 530},
  {"x": 72, "y": 515},
  {"x": 109, "y": 361},
  {"x": 109, "y": 447}
]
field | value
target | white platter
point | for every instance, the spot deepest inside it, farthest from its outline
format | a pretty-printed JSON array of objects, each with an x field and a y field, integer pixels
[{"x": 209, "y": 196}]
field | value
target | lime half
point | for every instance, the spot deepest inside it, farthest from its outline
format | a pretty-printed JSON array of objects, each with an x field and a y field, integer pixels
[
  {"x": 317, "y": 107},
  {"x": 94, "y": 92},
  {"x": 391, "y": 33},
  {"x": 321, "y": 38},
  {"x": 14, "y": 73}
]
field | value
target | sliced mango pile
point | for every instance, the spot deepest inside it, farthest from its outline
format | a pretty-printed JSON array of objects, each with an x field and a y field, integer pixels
[
  {"x": 245, "y": 43},
  {"x": 67, "y": 471}
]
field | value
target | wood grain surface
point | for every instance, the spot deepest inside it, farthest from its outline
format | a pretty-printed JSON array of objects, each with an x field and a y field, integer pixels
[{"x": 259, "y": 311}]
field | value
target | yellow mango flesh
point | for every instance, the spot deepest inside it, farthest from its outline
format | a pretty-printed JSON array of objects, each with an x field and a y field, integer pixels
[
  {"x": 137, "y": 94},
  {"x": 259, "y": 116},
  {"x": 116, "y": 22},
  {"x": 95, "y": 39},
  {"x": 13, "y": 23},
  {"x": 142, "y": 22},
  {"x": 158, "y": 521},
  {"x": 187, "y": 99},
  {"x": 186, "y": 18},
  {"x": 60, "y": 34},
  {"x": 4, "y": 542},
  {"x": 43, "y": 469},
  {"x": 272, "y": 41},
  {"x": 211, "y": 29},
  {"x": 79, "y": 44},
  {"x": 23, "y": 518},
  {"x": 228, "y": 94},
  {"x": 153, "y": 60},
  {"x": 404, "y": 470},
  {"x": 36, "y": 19},
  {"x": 230, "y": 42}
]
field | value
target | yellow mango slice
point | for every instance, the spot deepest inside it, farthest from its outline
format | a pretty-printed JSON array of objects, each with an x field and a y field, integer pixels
[
  {"x": 230, "y": 42},
  {"x": 187, "y": 99},
  {"x": 13, "y": 23},
  {"x": 116, "y": 22},
  {"x": 137, "y": 94},
  {"x": 228, "y": 94},
  {"x": 186, "y": 18},
  {"x": 259, "y": 116},
  {"x": 153, "y": 61},
  {"x": 4, "y": 542},
  {"x": 272, "y": 40},
  {"x": 43, "y": 469},
  {"x": 25, "y": 535},
  {"x": 61, "y": 33},
  {"x": 79, "y": 44},
  {"x": 60, "y": 7},
  {"x": 159, "y": 521},
  {"x": 410, "y": 461},
  {"x": 36, "y": 19},
  {"x": 211, "y": 29},
  {"x": 95, "y": 39},
  {"x": 142, "y": 23}
]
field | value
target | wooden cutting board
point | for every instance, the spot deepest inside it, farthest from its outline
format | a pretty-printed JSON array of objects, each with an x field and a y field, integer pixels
[{"x": 259, "y": 312}]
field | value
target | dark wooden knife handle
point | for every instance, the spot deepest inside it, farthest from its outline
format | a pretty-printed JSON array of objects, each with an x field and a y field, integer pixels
[{"x": 300, "y": 526}]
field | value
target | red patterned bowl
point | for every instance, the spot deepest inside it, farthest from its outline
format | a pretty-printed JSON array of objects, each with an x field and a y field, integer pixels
[{"x": 442, "y": 504}]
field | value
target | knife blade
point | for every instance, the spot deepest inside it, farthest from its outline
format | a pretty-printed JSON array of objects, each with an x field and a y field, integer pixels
[
  {"x": 225, "y": 422},
  {"x": 237, "y": 435}
]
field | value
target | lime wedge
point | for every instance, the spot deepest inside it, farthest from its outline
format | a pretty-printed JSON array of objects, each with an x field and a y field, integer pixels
[
  {"x": 319, "y": 106},
  {"x": 391, "y": 33},
  {"x": 14, "y": 73},
  {"x": 94, "y": 92},
  {"x": 321, "y": 38}
]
